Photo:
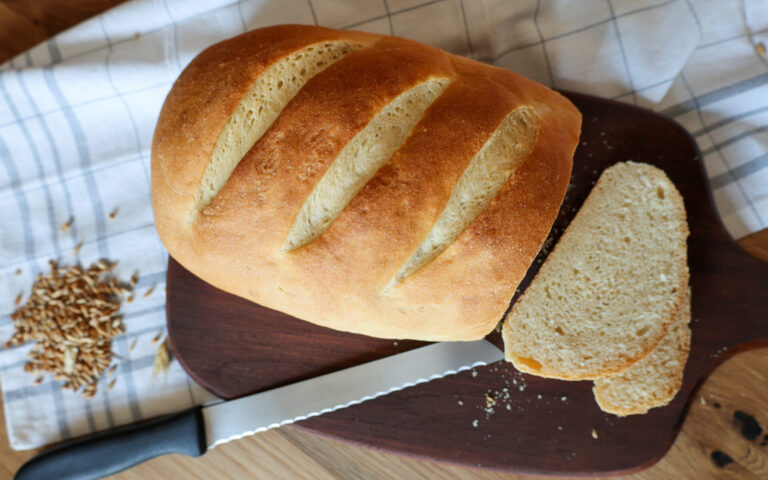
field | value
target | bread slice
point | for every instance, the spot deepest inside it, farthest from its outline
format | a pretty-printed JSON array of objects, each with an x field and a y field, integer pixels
[
  {"x": 615, "y": 282},
  {"x": 653, "y": 381}
]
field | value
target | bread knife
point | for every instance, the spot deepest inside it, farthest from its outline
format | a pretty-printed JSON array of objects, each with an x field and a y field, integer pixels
[{"x": 195, "y": 431}]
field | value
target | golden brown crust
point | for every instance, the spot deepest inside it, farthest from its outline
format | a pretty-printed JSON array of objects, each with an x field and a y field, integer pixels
[
  {"x": 200, "y": 103},
  {"x": 338, "y": 280}
]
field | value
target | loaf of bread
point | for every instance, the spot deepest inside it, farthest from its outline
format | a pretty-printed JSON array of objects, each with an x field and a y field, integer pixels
[
  {"x": 653, "y": 381},
  {"x": 366, "y": 183},
  {"x": 612, "y": 287}
]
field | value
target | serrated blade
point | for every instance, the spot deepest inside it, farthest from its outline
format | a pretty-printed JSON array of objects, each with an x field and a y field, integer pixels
[{"x": 259, "y": 412}]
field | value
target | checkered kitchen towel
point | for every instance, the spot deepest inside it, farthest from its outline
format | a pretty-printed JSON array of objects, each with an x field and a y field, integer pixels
[{"x": 77, "y": 115}]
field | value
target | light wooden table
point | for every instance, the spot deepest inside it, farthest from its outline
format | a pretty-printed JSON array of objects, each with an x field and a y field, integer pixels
[{"x": 740, "y": 384}]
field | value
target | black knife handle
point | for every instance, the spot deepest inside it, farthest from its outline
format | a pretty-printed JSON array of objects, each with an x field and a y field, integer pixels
[{"x": 107, "y": 453}]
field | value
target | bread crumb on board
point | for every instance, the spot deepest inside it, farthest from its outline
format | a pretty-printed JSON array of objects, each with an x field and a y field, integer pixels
[
  {"x": 594, "y": 433},
  {"x": 496, "y": 399}
]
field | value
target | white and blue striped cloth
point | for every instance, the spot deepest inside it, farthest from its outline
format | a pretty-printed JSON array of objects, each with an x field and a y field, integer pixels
[{"x": 77, "y": 115}]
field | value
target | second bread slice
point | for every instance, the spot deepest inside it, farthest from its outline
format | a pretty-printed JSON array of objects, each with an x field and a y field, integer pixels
[
  {"x": 653, "y": 381},
  {"x": 608, "y": 293}
]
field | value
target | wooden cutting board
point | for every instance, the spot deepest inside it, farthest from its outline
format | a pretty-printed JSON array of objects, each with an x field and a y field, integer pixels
[{"x": 495, "y": 417}]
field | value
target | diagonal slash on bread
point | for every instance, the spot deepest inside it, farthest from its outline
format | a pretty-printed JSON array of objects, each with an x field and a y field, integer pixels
[{"x": 365, "y": 183}]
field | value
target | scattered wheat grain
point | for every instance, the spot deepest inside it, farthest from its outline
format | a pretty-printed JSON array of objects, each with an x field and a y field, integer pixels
[{"x": 72, "y": 315}]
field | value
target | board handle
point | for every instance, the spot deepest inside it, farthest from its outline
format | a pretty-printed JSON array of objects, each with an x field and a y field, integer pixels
[{"x": 104, "y": 454}]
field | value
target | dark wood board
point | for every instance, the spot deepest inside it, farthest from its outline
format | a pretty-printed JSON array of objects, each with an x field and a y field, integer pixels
[{"x": 234, "y": 347}]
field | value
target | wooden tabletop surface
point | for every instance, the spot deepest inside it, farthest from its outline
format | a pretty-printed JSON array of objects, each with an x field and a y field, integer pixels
[{"x": 710, "y": 432}]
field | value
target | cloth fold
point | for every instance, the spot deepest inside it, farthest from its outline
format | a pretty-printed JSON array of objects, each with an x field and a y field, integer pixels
[{"x": 77, "y": 115}]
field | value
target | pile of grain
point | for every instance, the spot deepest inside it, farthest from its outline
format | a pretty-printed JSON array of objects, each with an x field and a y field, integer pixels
[{"x": 73, "y": 316}]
